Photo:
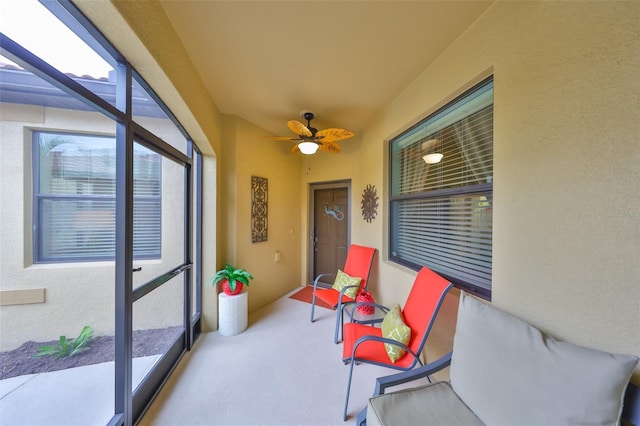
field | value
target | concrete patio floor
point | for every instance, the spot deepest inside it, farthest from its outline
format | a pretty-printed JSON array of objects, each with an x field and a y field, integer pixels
[{"x": 78, "y": 396}]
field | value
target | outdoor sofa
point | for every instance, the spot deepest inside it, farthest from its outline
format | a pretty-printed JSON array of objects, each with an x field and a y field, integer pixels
[{"x": 504, "y": 371}]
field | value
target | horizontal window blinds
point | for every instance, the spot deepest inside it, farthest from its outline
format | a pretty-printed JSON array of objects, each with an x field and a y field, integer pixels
[
  {"x": 74, "y": 213},
  {"x": 451, "y": 235},
  {"x": 441, "y": 214}
]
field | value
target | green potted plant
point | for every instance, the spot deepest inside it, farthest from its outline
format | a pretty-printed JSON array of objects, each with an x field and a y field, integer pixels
[{"x": 233, "y": 279}]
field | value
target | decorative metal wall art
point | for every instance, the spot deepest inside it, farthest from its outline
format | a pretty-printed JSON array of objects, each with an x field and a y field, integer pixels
[
  {"x": 336, "y": 212},
  {"x": 259, "y": 209},
  {"x": 369, "y": 203}
]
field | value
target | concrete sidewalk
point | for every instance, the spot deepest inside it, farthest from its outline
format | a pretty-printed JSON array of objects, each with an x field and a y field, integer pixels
[{"x": 78, "y": 396}]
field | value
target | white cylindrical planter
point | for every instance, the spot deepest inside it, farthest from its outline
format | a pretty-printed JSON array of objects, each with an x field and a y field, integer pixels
[{"x": 232, "y": 313}]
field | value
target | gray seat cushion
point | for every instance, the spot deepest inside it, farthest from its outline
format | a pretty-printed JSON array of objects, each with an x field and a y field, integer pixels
[{"x": 433, "y": 404}]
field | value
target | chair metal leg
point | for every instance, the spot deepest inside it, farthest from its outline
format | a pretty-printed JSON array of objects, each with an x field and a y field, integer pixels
[
  {"x": 361, "y": 420},
  {"x": 313, "y": 305},
  {"x": 339, "y": 333},
  {"x": 346, "y": 400},
  {"x": 339, "y": 318}
]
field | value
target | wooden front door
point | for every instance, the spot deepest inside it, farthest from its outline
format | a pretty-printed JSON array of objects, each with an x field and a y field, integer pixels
[{"x": 331, "y": 228}]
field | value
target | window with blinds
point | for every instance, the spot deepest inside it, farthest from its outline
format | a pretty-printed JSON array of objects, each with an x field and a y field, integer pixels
[
  {"x": 441, "y": 199},
  {"x": 74, "y": 198}
]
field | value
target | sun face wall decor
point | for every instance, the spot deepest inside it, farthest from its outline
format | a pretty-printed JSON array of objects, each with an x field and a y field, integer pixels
[{"x": 369, "y": 203}]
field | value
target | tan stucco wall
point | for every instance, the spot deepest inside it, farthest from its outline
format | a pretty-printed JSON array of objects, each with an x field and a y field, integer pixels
[{"x": 255, "y": 155}]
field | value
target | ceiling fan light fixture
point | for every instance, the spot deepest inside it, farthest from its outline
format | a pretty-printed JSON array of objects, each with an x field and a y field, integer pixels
[
  {"x": 433, "y": 158},
  {"x": 309, "y": 140},
  {"x": 308, "y": 147}
]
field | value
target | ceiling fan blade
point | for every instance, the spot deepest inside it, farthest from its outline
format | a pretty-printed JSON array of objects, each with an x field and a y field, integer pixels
[
  {"x": 298, "y": 128},
  {"x": 295, "y": 149},
  {"x": 332, "y": 134},
  {"x": 329, "y": 146},
  {"x": 284, "y": 138}
]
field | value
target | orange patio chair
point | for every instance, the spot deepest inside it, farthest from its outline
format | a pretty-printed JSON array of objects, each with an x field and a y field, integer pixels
[
  {"x": 357, "y": 265},
  {"x": 366, "y": 344}
]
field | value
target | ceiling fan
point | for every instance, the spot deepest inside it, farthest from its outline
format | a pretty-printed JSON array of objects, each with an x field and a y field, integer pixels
[{"x": 309, "y": 139}]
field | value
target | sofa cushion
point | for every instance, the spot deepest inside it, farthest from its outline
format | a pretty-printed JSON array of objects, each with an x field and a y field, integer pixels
[
  {"x": 433, "y": 404},
  {"x": 509, "y": 372}
]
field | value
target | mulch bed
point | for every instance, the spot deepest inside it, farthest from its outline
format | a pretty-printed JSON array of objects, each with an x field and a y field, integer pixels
[{"x": 21, "y": 361}]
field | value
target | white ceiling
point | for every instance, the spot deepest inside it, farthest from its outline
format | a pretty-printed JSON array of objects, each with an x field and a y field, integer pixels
[{"x": 266, "y": 61}]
